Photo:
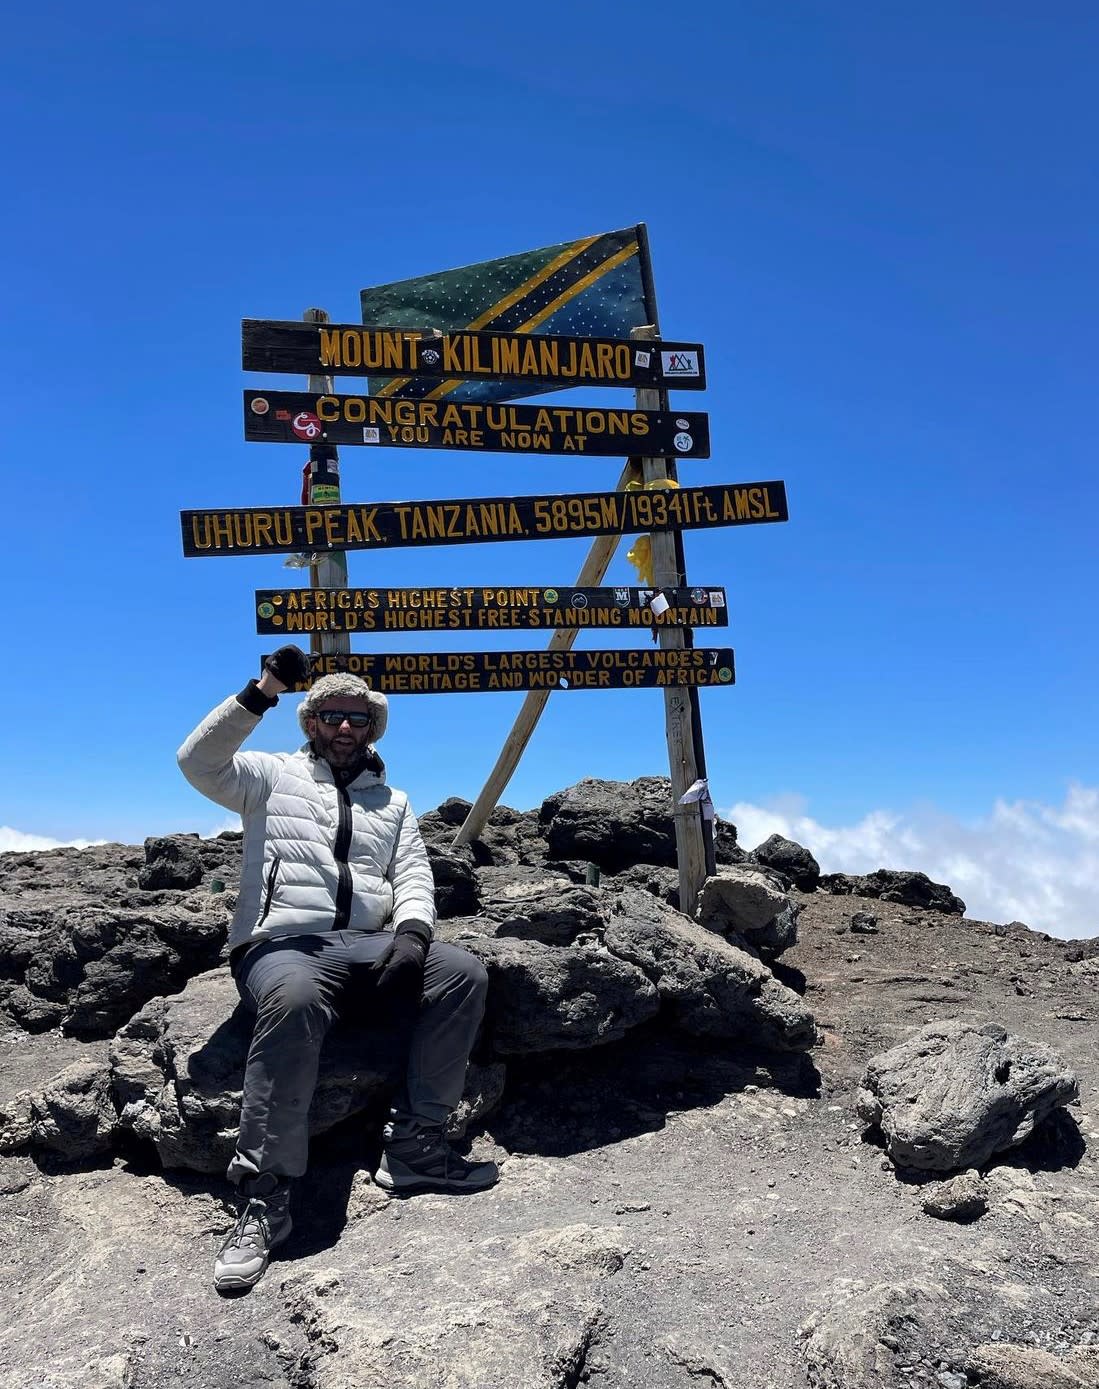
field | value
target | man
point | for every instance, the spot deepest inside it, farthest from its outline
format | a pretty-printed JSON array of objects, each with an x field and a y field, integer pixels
[{"x": 334, "y": 916}]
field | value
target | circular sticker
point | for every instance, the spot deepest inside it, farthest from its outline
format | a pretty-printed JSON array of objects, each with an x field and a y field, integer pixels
[
  {"x": 306, "y": 425},
  {"x": 550, "y": 595},
  {"x": 260, "y": 406},
  {"x": 277, "y": 620},
  {"x": 700, "y": 597},
  {"x": 266, "y": 609},
  {"x": 724, "y": 674},
  {"x": 682, "y": 424},
  {"x": 683, "y": 443},
  {"x": 578, "y": 600},
  {"x": 430, "y": 357}
]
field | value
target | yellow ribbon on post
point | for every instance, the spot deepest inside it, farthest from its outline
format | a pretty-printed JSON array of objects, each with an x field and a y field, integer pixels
[{"x": 640, "y": 553}]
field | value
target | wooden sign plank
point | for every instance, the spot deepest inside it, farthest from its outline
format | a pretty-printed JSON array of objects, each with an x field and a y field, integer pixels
[
  {"x": 469, "y": 608},
  {"x": 343, "y": 349},
  {"x": 281, "y": 530},
  {"x": 478, "y": 672},
  {"x": 296, "y": 417}
]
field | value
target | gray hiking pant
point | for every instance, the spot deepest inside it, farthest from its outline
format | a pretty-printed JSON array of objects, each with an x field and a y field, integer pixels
[{"x": 297, "y": 986}]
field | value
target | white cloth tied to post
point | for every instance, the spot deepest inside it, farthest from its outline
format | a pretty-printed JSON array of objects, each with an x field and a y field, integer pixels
[{"x": 699, "y": 791}]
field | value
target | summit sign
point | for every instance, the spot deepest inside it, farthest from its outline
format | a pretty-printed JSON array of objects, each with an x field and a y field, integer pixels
[
  {"x": 293, "y": 417},
  {"x": 535, "y": 359}
]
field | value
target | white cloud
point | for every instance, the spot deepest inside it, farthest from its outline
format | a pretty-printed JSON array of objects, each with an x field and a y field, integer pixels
[
  {"x": 16, "y": 842},
  {"x": 1024, "y": 861}
]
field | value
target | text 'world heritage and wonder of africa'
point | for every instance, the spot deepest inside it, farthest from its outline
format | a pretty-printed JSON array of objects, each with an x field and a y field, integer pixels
[{"x": 478, "y": 672}]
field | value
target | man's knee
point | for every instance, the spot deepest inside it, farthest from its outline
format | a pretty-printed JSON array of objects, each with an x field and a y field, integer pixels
[
  {"x": 464, "y": 973},
  {"x": 294, "y": 996},
  {"x": 477, "y": 974}
]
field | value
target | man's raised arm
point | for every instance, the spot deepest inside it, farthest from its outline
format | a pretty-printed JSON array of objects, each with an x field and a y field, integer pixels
[{"x": 209, "y": 758}]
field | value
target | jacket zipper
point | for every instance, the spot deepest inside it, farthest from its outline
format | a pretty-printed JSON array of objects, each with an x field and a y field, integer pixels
[
  {"x": 270, "y": 890},
  {"x": 340, "y": 851}
]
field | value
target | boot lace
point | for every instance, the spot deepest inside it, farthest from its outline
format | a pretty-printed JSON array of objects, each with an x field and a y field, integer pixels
[{"x": 253, "y": 1227}]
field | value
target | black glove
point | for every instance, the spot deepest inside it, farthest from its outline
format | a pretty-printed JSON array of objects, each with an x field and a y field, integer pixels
[
  {"x": 289, "y": 665},
  {"x": 399, "y": 970}
]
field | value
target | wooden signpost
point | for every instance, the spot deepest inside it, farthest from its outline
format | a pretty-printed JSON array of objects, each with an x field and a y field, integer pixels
[
  {"x": 536, "y": 360},
  {"x": 296, "y": 417},
  {"x": 392, "y": 525},
  {"x": 481, "y": 608},
  {"x": 478, "y": 672},
  {"x": 415, "y": 370}
]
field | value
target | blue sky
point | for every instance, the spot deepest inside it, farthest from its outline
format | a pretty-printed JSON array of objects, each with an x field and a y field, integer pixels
[{"x": 881, "y": 221}]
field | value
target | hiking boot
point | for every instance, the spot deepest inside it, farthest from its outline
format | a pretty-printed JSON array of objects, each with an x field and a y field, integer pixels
[
  {"x": 264, "y": 1223},
  {"x": 425, "y": 1161}
]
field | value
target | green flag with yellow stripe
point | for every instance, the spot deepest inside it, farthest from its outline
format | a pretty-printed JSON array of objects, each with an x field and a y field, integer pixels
[{"x": 592, "y": 287}]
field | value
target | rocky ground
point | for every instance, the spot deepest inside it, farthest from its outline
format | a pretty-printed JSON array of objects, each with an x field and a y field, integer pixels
[{"x": 674, "y": 1210}]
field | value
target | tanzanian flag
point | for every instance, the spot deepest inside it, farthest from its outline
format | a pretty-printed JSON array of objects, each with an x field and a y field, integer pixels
[{"x": 587, "y": 288}]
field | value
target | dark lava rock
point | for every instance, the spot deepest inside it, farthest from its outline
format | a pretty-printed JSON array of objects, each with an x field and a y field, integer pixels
[
  {"x": 612, "y": 823},
  {"x": 864, "y": 924},
  {"x": 895, "y": 885},
  {"x": 455, "y": 880},
  {"x": 171, "y": 862},
  {"x": 793, "y": 861}
]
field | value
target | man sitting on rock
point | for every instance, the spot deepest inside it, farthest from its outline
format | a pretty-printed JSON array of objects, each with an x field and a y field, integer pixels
[{"x": 334, "y": 917}]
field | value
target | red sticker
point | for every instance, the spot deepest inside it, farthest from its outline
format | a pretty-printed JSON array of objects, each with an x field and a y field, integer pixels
[
  {"x": 282, "y": 414},
  {"x": 260, "y": 406},
  {"x": 306, "y": 426}
]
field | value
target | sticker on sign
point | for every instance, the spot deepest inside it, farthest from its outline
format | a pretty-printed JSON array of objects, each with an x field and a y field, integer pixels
[{"x": 681, "y": 363}]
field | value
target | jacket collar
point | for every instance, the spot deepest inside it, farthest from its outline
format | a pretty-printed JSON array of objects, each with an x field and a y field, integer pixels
[{"x": 372, "y": 774}]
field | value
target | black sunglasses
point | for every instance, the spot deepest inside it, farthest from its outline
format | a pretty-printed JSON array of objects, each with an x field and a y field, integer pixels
[{"x": 334, "y": 717}]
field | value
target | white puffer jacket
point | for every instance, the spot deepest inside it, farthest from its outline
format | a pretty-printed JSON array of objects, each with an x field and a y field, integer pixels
[{"x": 316, "y": 857}]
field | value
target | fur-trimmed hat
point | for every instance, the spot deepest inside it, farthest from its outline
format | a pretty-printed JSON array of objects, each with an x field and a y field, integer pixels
[{"x": 345, "y": 687}]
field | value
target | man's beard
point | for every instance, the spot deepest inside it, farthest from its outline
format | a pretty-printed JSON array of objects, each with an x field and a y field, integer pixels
[{"x": 346, "y": 761}]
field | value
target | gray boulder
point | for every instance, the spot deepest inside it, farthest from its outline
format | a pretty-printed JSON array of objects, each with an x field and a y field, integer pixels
[
  {"x": 83, "y": 946},
  {"x": 549, "y": 998},
  {"x": 748, "y": 903},
  {"x": 455, "y": 880},
  {"x": 996, "y": 1366},
  {"x": 618, "y": 824},
  {"x": 72, "y": 1116},
  {"x": 792, "y": 860},
  {"x": 537, "y": 904},
  {"x": 963, "y": 1198},
  {"x": 177, "y": 1068},
  {"x": 663, "y": 883},
  {"x": 952, "y": 1095},
  {"x": 708, "y": 986},
  {"x": 574, "y": 966},
  {"x": 170, "y": 861},
  {"x": 612, "y": 823},
  {"x": 89, "y": 968},
  {"x": 895, "y": 885}
]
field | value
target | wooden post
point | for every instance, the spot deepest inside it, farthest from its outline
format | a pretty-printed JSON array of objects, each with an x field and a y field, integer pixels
[
  {"x": 323, "y": 488},
  {"x": 690, "y": 846},
  {"x": 591, "y": 574}
]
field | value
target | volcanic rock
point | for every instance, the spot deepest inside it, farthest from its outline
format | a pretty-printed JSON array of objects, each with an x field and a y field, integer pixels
[
  {"x": 176, "y": 1071},
  {"x": 894, "y": 885},
  {"x": 170, "y": 862},
  {"x": 748, "y": 903},
  {"x": 792, "y": 860},
  {"x": 73, "y": 1116},
  {"x": 963, "y": 1198},
  {"x": 953, "y": 1094}
]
